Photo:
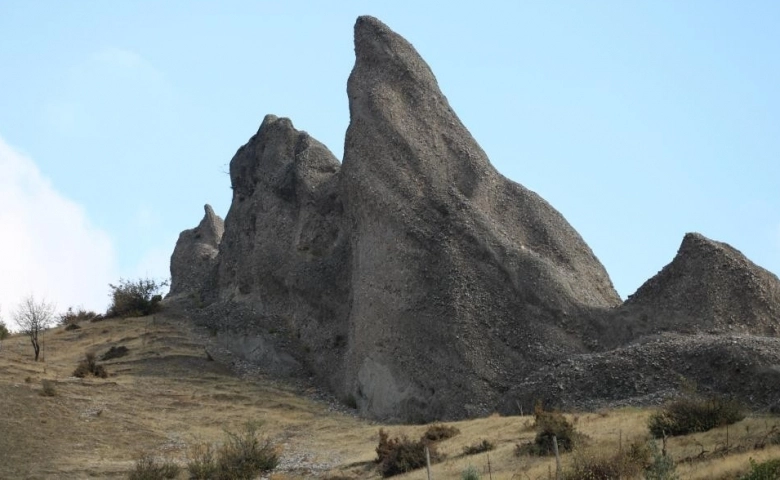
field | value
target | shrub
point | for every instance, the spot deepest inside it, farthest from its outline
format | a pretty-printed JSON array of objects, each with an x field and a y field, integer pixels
[
  {"x": 400, "y": 455},
  {"x": 72, "y": 317},
  {"x": 48, "y": 389},
  {"x": 72, "y": 326},
  {"x": 201, "y": 462},
  {"x": 483, "y": 446},
  {"x": 4, "y": 332},
  {"x": 470, "y": 473},
  {"x": 623, "y": 464},
  {"x": 549, "y": 424},
  {"x": 662, "y": 466},
  {"x": 244, "y": 454},
  {"x": 438, "y": 432},
  {"x": 135, "y": 298},
  {"x": 692, "y": 415},
  {"x": 768, "y": 470},
  {"x": 148, "y": 467},
  {"x": 89, "y": 366}
]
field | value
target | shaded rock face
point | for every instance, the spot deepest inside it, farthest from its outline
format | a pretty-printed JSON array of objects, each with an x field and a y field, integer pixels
[
  {"x": 195, "y": 254},
  {"x": 285, "y": 251},
  {"x": 417, "y": 283},
  {"x": 460, "y": 278}
]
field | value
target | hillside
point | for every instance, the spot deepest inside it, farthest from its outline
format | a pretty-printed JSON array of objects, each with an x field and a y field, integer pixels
[{"x": 165, "y": 396}]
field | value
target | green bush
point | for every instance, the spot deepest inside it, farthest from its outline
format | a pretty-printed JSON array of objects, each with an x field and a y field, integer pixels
[
  {"x": 768, "y": 470},
  {"x": 549, "y": 424},
  {"x": 400, "y": 455},
  {"x": 244, "y": 455},
  {"x": 692, "y": 415},
  {"x": 470, "y": 473},
  {"x": 662, "y": 467},
  {"x": 135, "y": 298},
  {"x": 148, "y": 467}
]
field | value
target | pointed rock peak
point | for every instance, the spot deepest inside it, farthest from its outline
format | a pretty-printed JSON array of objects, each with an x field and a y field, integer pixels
[
  {"x": 273, "y": 123},
  {"x": 210, "y": 215},
  {"x": 211, "y": 228},
  {"x": 695, "y": 240},
  {"x": 695, "y": 243},
  {"x": 376, "y": 46}
]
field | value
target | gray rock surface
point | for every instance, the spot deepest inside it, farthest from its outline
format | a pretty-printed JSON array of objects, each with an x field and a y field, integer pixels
[
  {"x": 709, "y": 287},
  {"x": 195, "y": 254},
  {"x": 460, "y": 278},
  {"x": 417, "y": 283}
]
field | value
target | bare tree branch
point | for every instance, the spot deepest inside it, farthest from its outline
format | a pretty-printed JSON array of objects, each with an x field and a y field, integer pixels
[{"x": 33, "y": 317}]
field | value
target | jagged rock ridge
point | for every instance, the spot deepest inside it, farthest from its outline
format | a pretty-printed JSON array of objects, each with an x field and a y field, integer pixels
[{"x": 414, "y": 280}]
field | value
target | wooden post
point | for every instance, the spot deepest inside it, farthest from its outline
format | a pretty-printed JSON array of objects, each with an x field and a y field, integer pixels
[
  {"x": 557, "y": 459},
  {"x": 490, "y": 470},
  {"x": 428, "y": 462}
]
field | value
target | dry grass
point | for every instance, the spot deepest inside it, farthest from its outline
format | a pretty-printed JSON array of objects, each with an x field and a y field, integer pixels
[{"x": 165, "y": 396}]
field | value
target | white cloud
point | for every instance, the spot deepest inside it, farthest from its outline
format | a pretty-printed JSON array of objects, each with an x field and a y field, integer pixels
[{"x": 48, "y": 247}]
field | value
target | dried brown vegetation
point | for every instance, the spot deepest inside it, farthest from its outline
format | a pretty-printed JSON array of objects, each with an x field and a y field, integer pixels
[{"x": 165, "y": 396}]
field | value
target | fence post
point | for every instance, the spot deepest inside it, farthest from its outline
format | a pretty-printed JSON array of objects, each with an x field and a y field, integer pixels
[
  {"x": 557, "y": 459},
  {"x": 428, "y": 462}
]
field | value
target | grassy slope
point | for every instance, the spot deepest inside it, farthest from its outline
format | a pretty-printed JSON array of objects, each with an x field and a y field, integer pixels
[{"x": 165, "y": 396}]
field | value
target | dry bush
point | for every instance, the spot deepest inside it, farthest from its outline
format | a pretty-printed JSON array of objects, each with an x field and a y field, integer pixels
[
  {"x": 244, "y": 455},
  {"x": 400, "y": 454},
  {"x": 201, "y": 462},
  {"x": 89, "y": 366},
  {"x": 483, "y": 446},
  {"x": 623, "y": 464},
  {"x": 147, "y": 467},
  {"x": 47, "y": 388},
  {"x": 74, "y": 317},
  {"x": 438, "y": 432},
  {"x": 692, "y": 415}
]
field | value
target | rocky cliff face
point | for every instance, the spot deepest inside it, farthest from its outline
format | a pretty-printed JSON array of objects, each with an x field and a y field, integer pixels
[{"x": 414, "y": 280}]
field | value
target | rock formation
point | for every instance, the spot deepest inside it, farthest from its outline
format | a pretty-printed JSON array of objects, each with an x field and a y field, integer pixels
[
  {"x": 416, "y": 282},
  {"x": 195, "y": 254},
  {"x": 711, "y": 287}
]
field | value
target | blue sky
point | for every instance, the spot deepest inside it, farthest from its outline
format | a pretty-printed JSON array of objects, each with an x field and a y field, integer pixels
[{"x": 639, "y": 121}]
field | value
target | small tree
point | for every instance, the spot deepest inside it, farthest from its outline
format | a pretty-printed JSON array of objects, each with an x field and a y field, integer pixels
[{"x": 33, "y": 317}]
